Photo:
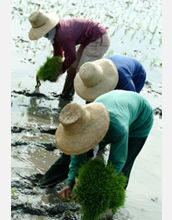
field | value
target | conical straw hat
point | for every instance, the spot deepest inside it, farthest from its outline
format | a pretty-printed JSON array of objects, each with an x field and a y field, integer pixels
[
  {"x": 81, "y": 128},
  {"x": 96, "y": 78},
  {"x": 42, "y": 23}
]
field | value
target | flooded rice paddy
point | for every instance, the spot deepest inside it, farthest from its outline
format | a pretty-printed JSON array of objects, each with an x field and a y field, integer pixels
[{"x": 135, "y": 30}]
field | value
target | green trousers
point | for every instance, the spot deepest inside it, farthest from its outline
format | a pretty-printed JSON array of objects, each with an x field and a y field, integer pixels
[{"x": 134, "y": 147}]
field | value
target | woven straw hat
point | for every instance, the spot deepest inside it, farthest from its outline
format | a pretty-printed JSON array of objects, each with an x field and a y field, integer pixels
[
  {"x": 81, "y": 128},
  {"x": 42, "y": 23},
  {"x": 96, "y": 78}
]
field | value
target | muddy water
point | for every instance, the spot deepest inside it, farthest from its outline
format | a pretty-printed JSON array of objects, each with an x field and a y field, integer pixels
[{"x": 134, "y": 31}]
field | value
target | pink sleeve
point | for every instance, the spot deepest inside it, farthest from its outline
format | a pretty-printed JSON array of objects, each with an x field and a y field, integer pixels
[
  {"x": 57, "y": 50},
  {"x": 69, "y": 54}
]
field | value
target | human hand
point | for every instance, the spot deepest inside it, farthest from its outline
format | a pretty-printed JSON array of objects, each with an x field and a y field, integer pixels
[{"x": 65, "y": 193}]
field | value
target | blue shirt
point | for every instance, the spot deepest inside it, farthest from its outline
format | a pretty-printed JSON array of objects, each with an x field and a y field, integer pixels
[{"x": 132, "y": 74}]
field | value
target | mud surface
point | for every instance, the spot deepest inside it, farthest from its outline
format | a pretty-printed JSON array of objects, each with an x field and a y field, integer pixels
[
  {"x": 35, "y": 116},
  {"x": 33, "y": 151}
]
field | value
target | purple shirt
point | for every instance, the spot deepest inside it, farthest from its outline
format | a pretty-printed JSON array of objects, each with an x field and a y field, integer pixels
[{"x": 72, "y": 32}]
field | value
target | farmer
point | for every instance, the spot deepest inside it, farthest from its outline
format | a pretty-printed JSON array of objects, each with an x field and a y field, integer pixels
[
  {"x": 92, "y": 38},
  {"x": 121, "y": 72},
  {"x": 120, "y": 118}
]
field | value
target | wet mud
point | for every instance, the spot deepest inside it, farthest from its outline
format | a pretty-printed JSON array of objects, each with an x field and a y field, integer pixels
[
  {"x": 33, "y": 151},
  {"x": 28, "y": 200}
]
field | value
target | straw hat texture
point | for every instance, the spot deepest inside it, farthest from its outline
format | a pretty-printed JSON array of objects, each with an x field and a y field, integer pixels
[
  {"x": 96, "y": 78},
  {"x": 81, "y": 128},
  {"x": 42, "y": 23}
]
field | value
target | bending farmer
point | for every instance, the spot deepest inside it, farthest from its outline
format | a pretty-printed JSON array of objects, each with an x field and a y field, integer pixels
[
  {"x": 92, "y": 38},
  {"x": 120, "y": 118}
]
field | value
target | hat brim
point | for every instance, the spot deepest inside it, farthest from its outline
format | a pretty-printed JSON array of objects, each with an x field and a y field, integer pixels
[
  {"x": 107, "y": 83},
  {"x": 80, "y": 143},
  {"x": 36, "y": 33}
]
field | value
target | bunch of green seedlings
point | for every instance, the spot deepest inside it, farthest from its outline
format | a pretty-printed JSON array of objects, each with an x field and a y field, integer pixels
[
  {"x": 50, "y": 69},
  {"x": 98, "y": 189}
]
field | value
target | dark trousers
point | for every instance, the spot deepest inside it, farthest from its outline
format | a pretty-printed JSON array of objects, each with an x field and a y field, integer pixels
[
  {"x": 59, "y": 170},
  {"x": 134, "y": 147}
]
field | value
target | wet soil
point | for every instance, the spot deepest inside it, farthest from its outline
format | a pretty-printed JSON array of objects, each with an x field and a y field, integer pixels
[{"x": 33, "y": 151}]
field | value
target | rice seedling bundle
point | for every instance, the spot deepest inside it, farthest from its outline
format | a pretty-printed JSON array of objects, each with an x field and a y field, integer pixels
[
  {"x": 50, "y": 69},
  {"x": 98, "y": 189}
]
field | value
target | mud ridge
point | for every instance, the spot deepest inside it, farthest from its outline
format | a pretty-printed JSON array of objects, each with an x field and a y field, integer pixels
[
  {"x": 49, "y": 146},
  {"x": 31, "y": 94},
  {"x": 51, "y": 211},
  {"x": 36, "y": 94},
  {"x": 27, "y": 209},
  {"x": 42, "y": 129}
]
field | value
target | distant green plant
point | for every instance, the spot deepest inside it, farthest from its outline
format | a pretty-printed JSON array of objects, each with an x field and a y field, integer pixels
[
  {"x": 22, "y": 113},
  {"x": 44, "y": 141},
  {"x": 50, "y": 69},
  {"x": 13, "y": 191},
  {"x": 19, "y": 84},
  {"x": 49, "y": 115},
  {"x": 33, "y": 131},
  {"x": 99, "y": 189},
  {"x": 27, "y": 202},
  {"x": 41, "y": 153}
]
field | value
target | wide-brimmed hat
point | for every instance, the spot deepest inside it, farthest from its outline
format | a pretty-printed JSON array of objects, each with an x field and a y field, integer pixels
[
  {"x": 81, "y": 128},
  {"x": 96, "y": 78},
  {"x": 42, "y": 23}
]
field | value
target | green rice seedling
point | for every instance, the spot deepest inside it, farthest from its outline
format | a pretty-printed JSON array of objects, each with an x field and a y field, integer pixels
[
  {"x": 27, "y": 202},
  {"x": 11, "y": 104},
  {"x": 49, "y": 115},
  {"x": 41, "y": 153},
  {"x": 13, "y": 191},
  {"x": 132, "y": 36},
  {"x": 17, "y": 123},
  {"x": 22, "y": 113},
  {"x": 98, "y": 189},
  {"x": 50, "y": 69},
  {"x": 33, "y": 132},
  {"x": 113, "y": 33},
  {"x": 19, "y": 84}
]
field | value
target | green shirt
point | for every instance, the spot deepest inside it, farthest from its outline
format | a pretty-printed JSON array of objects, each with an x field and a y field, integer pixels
[{"x": 131, "y": 115}]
